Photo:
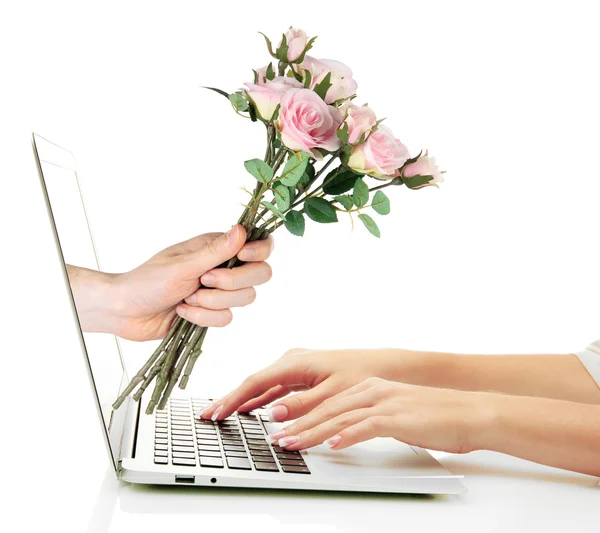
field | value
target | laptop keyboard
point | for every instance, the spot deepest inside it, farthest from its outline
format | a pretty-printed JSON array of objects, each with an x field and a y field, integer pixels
[{"x": 238, "y": 442}]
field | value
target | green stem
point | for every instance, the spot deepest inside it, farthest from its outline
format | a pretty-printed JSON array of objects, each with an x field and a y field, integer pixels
[{"x": 380, "y": 187}]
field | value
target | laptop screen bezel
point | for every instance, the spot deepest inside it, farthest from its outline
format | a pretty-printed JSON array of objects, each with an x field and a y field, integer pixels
[{"x": 113, "y": 435}]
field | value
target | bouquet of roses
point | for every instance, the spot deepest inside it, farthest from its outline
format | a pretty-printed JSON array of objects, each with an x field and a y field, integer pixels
[{"x": 322, "y": 152}]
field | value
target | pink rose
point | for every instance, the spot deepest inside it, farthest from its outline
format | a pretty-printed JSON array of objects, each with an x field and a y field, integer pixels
[
  {"x": 360, "y": 121},
  {"x": 424, "y": 166},
  {"x": 296, "y": 41},
  {"x": 267, "y": 97},
  {"x": 380, "y": 156},
  {"x": 342, "y": 83},
  {"x": 306, "y": 122},
  {"x": 261, "y": 74}
]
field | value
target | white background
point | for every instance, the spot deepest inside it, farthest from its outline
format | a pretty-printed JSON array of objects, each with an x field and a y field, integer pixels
[{"x": 501, "y": 259}]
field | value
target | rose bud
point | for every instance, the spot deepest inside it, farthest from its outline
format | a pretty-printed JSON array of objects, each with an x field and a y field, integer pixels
[
  {"x": 267, "y": 97},
  {"x": 423, "y": 167},
  {"x": 296, "y": 40},
  {"x": 360, "y": 121}
]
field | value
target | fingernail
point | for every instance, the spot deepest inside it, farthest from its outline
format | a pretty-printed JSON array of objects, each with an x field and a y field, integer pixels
[
  {"x": 216, "y": 413},
  {"x": 248, "y": 254},
  {"x": 272, "y": 438},
  {"x": 288, "y": 441},
  {"x": 200, "y": 412},
  {"x": 277, "y": 413},
  {"x": 181, "y": 311},
  {"x": 334, "y": 441},
  {"x": 191, "y": 299},
  {"x": 232, "y": 234},
  {"x": 208, "y": 280}
]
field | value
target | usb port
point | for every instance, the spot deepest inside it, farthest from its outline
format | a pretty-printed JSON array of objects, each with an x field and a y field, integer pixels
[{"x": 185, "y": 479}]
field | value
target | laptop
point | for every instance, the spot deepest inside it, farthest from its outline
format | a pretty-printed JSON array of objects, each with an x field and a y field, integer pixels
[{"x": 171, "y": 446}]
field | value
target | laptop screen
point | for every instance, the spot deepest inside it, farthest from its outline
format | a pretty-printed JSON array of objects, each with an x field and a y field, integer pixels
[{"x": 101, "y": 351}]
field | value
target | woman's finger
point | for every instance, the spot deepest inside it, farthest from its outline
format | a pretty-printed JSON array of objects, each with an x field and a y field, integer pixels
[
  {"x": 218, "y": 299},
  {"x": 205, "y": 317},
  {"x": 326, "y": 430},
  {"x": 256, "y": 250},
  {"x": 361, "y": 400},
  {"x": 367, "y": 429},
  {"x": 300, "y": 404},
  {"x": 283, "y": 372},
  {"x": 271, "y": 395},
  {"x": 231, "y": 279}
]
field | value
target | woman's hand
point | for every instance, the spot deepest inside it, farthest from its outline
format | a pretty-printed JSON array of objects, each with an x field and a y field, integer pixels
[
  {"x": 324, "y": 373},
  {"x": 439, "y": 419},
  {"x": 181, "y": 280}
]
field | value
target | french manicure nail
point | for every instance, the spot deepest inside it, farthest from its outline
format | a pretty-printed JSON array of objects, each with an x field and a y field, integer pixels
[
  {"x": 334, "y": 441},
  {"x": 200, "y": 412},
  {"x": 288, "y": 441},
  {"x": 216, "y": 413},
  {"x": 272, "y": 438},
  {"x": 277, "y": 413}
]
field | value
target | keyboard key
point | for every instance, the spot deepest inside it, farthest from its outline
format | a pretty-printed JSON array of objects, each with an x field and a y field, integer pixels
[
  {"x": 290, "y": 462},
  {"x": 284, "y": 456},
  {"x": 184, "y": 455},
  {"x": 263, "y": 459},
  {"x": 209, "y": 441},
  {"x": 261, "y": 452},
  {"x": 235, "y": 454},
  {"x": 211, "y": 462},
  {"x": 232, "y": 448},
  {"x": 161, "y": 441},
  {"x": 179, "y": 436},
  {"x": 238, "y": 463},
  {"x": 212, "y": 446},
  {"x": 161, "y": 453},
  {"x": 295, "y": 469},
  {"x": 234, "y": 442},
  {"x": 184, "y": 462},
  {"x": 161, "y": 447},
  {"x": 205, "y": 429},
  {"x": 254, "y": 446},
  {"x": 256, "y": 441},
  {"x": 161, "y": 431},
  {"x": 206, "y": 438},
  {"x": 182, "y": 432},
  {"x": 161, "y": 460},
  {"x": 266, "y": 467},
  {"x": 182, "y": 448},
  {"x": 205, "y": 453},
  {"x": 249, "y": 432},
  {"x": 179, "y": 442}
]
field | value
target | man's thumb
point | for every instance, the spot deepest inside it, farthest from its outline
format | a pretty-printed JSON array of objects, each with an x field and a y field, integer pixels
[{"x": 219, "y": 250}]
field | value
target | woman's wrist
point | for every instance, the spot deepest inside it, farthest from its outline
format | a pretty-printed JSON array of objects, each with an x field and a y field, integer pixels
[{"x": 96, "y": 298}]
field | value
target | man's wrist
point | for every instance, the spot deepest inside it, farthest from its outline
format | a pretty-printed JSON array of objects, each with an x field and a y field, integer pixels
[{"x": 96, "y": 299}]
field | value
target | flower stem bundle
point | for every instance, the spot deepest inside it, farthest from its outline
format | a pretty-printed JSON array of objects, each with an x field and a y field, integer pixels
[{"x": 325, "y": 157}]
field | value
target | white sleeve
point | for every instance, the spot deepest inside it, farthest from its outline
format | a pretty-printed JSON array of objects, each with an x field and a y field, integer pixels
[{"x": 590, "y": 358}]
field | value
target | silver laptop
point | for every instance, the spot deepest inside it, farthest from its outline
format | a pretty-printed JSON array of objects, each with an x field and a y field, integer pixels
[{"x": 172, "y": 447}]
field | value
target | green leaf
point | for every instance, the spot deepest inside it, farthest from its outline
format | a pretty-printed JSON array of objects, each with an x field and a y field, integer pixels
[
  {"x": 294, "y": 169},
  {"x": 360, "y": 195},
  {"x": 270, "y": 72},
  {"x": 282, "y": 51},
  {"x": 295, "y": 223},
  {"x": 370, "y": 225},
  {"x": 260, "y": 170},
  {"x": 342, "y": 134},
  {"x": 346, "y": 201},
  {"x": 418, "y": 181},
  {"x": 282, "y": 197},
  {"x": 238, "y": 102},
  {"x": 255, "y": 76},
  {"x": 226, "y": 95},
  {"x": 339, "y": 181},
  {"x": 320, "y": 210},
  {"x": 308, "y": 176},
  {"x": 273, "y": 209},
  {"x": 381, "y": 203},
  {"x": 269, "y": 45},
  {"x": 322, "y": 87},
  {"x": 307, "y": 79}
]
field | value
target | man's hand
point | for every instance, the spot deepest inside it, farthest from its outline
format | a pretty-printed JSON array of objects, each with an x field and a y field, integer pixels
[{"x": 182, "y": 279}]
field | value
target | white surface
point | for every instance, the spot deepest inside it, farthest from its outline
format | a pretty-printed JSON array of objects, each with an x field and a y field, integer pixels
[{"x": 500, "y": 259}]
